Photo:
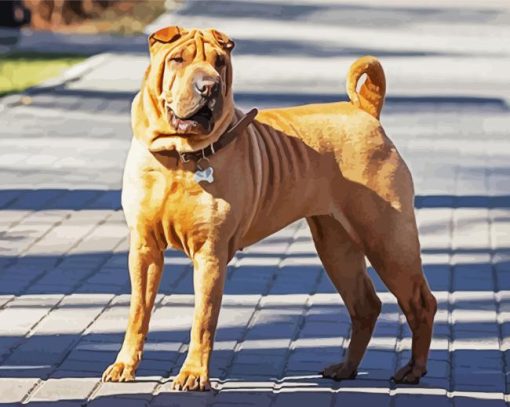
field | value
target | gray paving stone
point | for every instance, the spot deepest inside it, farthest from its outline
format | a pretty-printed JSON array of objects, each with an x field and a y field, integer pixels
[
  {"x": 44, "y": 350},
  {"x": 24, "y": 312},
  {"x": 488, "y": 381},
  {"x": 13, "y": 390},
  {"x": 228, "y": 399},
  {"x": 115, "y": 401},
  {"x": 94, "y": 368},
  {"x": 346, "y": 398},
  {"x": 63, "y": 233},
  {"x": 160, "y": 366},
  {"x": 483, "y": 359},
  {"x": 166, "y": 397},
  {"x": 272, "y": 331},
  {"x": 91, "y": 356},
  {"x": 432, "y": 383},
  {"x": 460, "y": 401},
  {"x": 302, "y": 399},
  {"x": 258, "y": 369},
  {"x": 322, "y": 330},
  {"x": 438, "y": 369},
  {"x": 378, "y": 360},
  {"x": 421, "y": 400},
  {"x": 63, "y": 403},
  {"x": 63, "y": 389},
  {"x": 141, "y": 389}
]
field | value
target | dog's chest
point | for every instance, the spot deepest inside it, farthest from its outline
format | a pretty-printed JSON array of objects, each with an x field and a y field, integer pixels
[{"x": 176, "y": 205}]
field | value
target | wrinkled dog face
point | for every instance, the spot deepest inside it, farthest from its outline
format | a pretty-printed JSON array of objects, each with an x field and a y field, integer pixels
[{"x": 195, "y": 75}]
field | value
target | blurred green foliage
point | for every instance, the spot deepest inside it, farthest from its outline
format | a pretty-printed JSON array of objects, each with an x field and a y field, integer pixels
[{"x": 19, "y": 71}]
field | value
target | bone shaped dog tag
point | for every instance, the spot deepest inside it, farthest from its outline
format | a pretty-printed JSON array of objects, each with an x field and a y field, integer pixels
[{"x": 204, "y": 175}]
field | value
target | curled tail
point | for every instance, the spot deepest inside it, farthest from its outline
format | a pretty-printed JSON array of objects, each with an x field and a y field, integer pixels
[{"x": 371, "y": 95}]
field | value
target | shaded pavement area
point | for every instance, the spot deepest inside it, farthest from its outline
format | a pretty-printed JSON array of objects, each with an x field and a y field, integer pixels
[{"x": 64, "y": 286}]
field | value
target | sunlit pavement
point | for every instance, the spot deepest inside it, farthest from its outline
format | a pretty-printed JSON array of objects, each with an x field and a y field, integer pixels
[{"x": 64, "y": 288}]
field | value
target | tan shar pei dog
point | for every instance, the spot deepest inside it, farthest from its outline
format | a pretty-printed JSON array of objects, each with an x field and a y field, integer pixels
[{"x": 204, "y": 178}]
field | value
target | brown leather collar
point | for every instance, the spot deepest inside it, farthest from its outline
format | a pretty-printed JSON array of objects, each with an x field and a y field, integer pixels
[{"x": 224, "y": 140}]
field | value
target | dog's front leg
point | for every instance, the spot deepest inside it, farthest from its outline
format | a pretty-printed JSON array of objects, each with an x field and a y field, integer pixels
[
  {"x": 208, "y": 282},
  {"x": 145, "y": 268}
]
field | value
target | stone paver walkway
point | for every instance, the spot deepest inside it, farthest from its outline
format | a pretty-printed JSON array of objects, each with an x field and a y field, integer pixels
[{"x": 64, "y": 288}]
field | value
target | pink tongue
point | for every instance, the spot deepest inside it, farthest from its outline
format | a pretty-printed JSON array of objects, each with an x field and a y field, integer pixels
[{"x": 184, "y": 126}]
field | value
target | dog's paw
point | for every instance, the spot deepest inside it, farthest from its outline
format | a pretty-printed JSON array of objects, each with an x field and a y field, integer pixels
[
  {"x": 191, "y": 380},
  {"x": 119, "y": 372},
  {"x": 339, "y": 371},
  {"x": 409, "y": 374}
]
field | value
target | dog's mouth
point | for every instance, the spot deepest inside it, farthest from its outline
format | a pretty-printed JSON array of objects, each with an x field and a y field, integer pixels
[{"x": 198, "y": 122}]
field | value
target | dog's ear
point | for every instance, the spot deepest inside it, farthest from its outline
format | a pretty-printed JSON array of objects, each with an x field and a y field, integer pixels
[
  {"x": 224, "y": 40},
  {"x": 165, "y": 36}
]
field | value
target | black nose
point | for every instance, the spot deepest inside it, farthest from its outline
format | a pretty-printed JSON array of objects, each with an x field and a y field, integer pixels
[{"x": 207, "y": 87}]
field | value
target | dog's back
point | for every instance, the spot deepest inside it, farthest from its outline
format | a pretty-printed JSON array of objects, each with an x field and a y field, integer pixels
[{"x": 346, "y": 119}]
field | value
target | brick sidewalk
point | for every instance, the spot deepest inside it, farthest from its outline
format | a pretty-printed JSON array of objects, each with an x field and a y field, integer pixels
[{"x": 64, "y": 287}]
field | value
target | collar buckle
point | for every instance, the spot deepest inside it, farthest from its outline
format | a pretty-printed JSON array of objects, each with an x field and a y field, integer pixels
[{"x": 185, "y": 157}]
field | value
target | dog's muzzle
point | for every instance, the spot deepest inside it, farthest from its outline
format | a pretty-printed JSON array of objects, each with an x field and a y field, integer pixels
[{"x": 201, "y": 120}]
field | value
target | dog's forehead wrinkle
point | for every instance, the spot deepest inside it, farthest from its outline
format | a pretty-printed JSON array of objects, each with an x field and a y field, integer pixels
[
  {"x": 203, "y": 49},
  {"x": 197, "y": 43},
  {"x": 200, "y": 46}
]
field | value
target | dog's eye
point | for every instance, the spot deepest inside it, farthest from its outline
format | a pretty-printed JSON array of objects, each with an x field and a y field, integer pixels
[
  {"x": 220, "y": 62},
  {"x": 177, "y": 59}
]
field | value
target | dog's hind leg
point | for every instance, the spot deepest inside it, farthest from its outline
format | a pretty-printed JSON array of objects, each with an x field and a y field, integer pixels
[
  {"x": 390, "y": 241},
  {"x": 396, "y": 258},
  {"x": 345, "y": 264}
]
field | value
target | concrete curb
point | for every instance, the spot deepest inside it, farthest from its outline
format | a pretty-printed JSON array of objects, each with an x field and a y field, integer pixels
[{"x": 70, "y": 75}]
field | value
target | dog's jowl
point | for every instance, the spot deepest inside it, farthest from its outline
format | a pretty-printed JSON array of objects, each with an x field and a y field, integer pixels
[{"x": 205, "y": 178}]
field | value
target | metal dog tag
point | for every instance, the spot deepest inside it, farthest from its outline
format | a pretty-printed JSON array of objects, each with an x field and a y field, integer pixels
[{"x": 205, "y": 175}]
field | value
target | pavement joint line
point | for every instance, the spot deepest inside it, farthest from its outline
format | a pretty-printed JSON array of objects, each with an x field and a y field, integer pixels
[
  {"x": 15, "y": 259},
  {"x": 62, "y": 257},
  {"x": 67, "y": 216},
  {"x": 29, "y": 213},
  {"x": 497, "y": 298},
  {"x": 75, "y": 342},
  {"x": 33, "y": 328},
  {"x": 239, "y": 342},
  {"x": 256, "y": 309},
  {"x": 450, "y": 296},
  {"x": 37, "y": 385},
  {"x": 98, "y": 386},
  {"x": 51, "y": 201},
  {"x": 306, "y": 310},
  {"x": 6, "y": 205},
  {"x": 461, "y": 311},
  {"x": 32, "y": 212},
  {"x": 21, "y": 254},
  {"x": 12, "y": 297},
  {"x": 104, "y": 117},
  {"x": 158, "y": 305},
  {"x": 480, "y": 395},
  {"x": 182, "y": 350},
  {"x": 7, "y": 302}
]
